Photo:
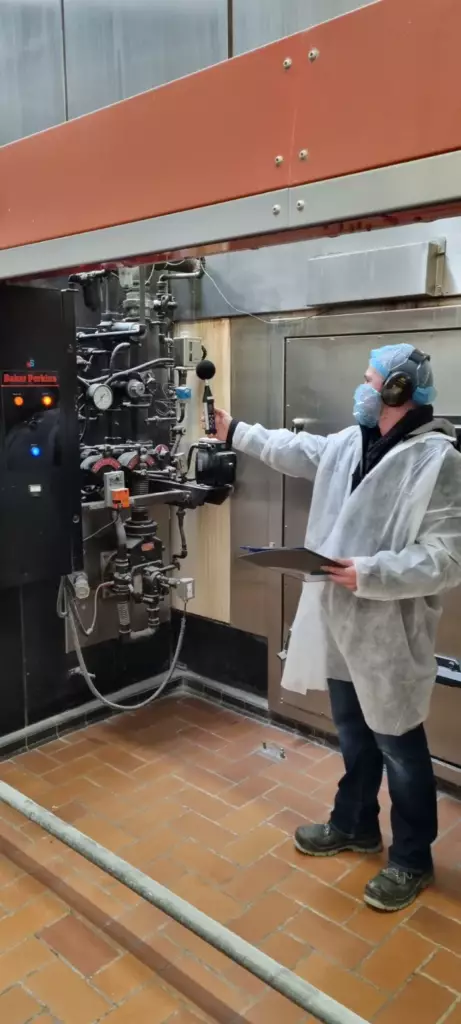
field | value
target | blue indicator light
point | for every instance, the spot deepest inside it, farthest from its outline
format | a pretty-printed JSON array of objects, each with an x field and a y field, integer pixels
[{"x": 35, "y": 451}]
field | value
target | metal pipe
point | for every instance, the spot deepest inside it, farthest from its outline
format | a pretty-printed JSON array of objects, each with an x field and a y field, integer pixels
[
  {"x": 141, "y": 634},
  {"x": 253, "y": 960},
  {"x": 122, "y": 346},
  {"x": 171, "y": 497},
  {"x": 142, "y": 294},
  {"x": 181, "y": 276},
  {"x": 133, "y": 330},
  {"x": 108, "y": 378}
]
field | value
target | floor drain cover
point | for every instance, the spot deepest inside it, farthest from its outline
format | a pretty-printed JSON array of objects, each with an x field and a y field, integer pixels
[{"x": 272, "y": 751}]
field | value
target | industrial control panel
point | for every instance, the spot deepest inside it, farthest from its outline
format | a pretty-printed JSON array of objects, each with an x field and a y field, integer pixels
[{"x": 40, "y": 511}]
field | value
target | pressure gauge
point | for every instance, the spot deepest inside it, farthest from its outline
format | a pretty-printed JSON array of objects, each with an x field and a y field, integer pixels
[{"x": 101, "y": 395}]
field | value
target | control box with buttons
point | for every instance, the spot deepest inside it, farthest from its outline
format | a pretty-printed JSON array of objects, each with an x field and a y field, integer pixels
[{"x": 40, "y": 508}]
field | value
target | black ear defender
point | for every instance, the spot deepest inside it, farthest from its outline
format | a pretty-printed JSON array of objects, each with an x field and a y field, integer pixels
[{"x": 399, "y": 386}]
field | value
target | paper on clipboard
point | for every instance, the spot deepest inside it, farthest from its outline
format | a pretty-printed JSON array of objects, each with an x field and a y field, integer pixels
[{"x": 298, "y": 562}]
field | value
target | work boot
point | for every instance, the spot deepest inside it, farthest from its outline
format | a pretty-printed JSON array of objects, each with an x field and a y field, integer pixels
[
  {"x": 393, "y": 889},
  {"x": 326, "y": 841}
]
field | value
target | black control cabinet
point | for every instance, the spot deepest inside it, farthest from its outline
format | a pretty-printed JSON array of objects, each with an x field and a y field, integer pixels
[{"x": 40, "y": 513}]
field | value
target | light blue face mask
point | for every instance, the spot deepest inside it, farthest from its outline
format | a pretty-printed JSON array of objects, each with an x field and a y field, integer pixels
[{"x": 367, "y": 405}]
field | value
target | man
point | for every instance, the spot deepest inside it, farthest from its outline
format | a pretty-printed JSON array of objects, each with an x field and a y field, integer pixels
[{"x": 386, "y": 506}]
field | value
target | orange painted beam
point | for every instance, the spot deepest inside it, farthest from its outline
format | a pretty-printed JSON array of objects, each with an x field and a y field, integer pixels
[{"x": 383, "y": 89}]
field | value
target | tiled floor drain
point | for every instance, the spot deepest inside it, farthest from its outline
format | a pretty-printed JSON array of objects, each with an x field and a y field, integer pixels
[{"x": 272, "y": 751}]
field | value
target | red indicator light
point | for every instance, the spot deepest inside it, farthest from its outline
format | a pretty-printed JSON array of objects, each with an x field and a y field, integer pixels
[
  {"x": 47, "y": 401},
  {"x": 18, "y": 401}
]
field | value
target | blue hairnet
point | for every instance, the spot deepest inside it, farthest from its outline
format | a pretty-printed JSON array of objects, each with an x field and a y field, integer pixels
[{"x": 389, "y": 358}]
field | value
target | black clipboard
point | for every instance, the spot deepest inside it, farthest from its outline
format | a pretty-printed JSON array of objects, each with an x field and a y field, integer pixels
[{"x": 299, "y": 562}]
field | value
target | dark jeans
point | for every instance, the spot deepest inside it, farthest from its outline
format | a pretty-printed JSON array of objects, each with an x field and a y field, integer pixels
[{"x": 410, "y": 777}]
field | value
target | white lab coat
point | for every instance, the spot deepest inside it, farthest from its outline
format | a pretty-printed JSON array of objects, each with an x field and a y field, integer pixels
[{"x": 402, "y": 528}]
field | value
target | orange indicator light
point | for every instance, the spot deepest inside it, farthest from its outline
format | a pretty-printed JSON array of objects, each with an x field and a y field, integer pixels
[
  {"x": 47, "y": 401},
  {"x": 18, "y": 400}
]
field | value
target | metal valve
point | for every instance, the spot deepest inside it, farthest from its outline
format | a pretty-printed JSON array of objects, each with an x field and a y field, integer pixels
[{"x": 136, "y": 389}]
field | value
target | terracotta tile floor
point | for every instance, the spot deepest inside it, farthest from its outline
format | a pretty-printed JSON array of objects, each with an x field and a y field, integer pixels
[{"x": 183, "y": 791}]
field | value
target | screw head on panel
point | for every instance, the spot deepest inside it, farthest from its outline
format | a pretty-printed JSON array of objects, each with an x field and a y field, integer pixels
[
  {"x": 278, "y": 161},
  {"x": 276, "y": 209},
  {"x": 300, "y": 204},
  {"x": 287, "y": 63},
  {"x": 303, "y": 154},
  {"x": 313, "y": 54}
]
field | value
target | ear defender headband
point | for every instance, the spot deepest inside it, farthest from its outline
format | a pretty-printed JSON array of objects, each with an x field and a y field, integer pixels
[{"x": 398, "y": 388}]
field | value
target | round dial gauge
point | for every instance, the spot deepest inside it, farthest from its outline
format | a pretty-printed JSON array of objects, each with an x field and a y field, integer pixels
[{"x": 101, "y": 395}]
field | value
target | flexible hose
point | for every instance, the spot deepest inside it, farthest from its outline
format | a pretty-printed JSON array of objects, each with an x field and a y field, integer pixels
[
  {"x": 88, "y": 630},
  {"x": 64, "y": 599},
  {"x": 66, "y": 610},
  {"x": 104, "y": 700}
]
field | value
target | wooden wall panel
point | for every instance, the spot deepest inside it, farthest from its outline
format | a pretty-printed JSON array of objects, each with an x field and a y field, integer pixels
[{"x": 208, "y": 528}]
